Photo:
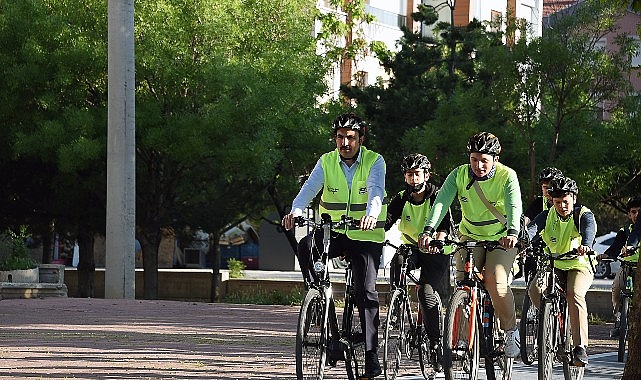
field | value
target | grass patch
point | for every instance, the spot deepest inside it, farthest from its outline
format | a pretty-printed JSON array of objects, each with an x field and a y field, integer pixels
[
  {"x": 594, "y": 319},
  {"x": 265, "y": 297}
]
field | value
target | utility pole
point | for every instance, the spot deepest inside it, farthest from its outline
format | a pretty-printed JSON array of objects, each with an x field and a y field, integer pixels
[{"x": 121, "y": 151}]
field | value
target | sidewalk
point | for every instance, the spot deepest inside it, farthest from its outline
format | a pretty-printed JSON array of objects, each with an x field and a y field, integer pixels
[{"x": 62, "y": 338}]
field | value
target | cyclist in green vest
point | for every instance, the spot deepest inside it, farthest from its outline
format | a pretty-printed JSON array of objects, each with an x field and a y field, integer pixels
[
  {"x": 352, "y": 180},
  {"x": 411, "y": 206},
  {"x": 500, "y": 187},
  {"x": 616, "y": 248},
  {"x": 568, "y": 226}
]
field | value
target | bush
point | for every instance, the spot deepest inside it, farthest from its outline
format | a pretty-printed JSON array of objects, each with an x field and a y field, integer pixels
[
  {"x": 236, "y": 268},
  {"x": 18, "y": 258}
]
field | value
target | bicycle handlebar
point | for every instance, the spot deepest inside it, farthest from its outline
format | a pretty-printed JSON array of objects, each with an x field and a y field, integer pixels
[{"x": 345, "y": 220}]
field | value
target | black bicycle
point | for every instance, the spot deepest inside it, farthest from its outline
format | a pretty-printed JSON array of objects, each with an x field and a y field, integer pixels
[
  {"x": 320, "y": 341},
  {"x": 529, "y": 323},
  {"x": 555, "y": 334},
  {"x": 404, "y": 337},
  {"x": 625, "y": 299},
  {"x": 469, "y": 331}
]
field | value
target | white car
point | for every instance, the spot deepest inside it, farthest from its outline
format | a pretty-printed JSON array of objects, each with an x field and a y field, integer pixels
[{"x": 605, "y": 269}]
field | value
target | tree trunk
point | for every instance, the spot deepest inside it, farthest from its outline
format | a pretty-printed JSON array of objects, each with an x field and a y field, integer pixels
[
  {"x": 149, "y": 242},
  {"x": 632, "y": 370},
  {"x": 86, "y": 265},
  {"x": 214, "y": 248}
]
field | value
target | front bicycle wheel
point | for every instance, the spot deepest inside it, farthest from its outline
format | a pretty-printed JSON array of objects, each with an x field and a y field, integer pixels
[
  {"x": 623, "y": 327},
  {"x": 547, "y": 341},
  {"x": 355, "y": 355},
  {"x": 528, "y": 330},
  {"x": 311, "y": 337},
  {"x": 461, "y": 338},
  {"x": 394, "y": 336},
  {"x": 570, "y": 371},
  {"x": 497, "y": 364}
]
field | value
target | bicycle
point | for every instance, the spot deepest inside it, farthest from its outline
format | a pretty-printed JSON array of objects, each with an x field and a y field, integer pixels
[
  {"x": 529, "y": 323},
  {"x": 625, "y": 299},
  {"x": 320, "y": 341},
  {"x": 404, "y": 335},
  {"x": 554, "y": 335},
  {"x": 469, "y": 332}
]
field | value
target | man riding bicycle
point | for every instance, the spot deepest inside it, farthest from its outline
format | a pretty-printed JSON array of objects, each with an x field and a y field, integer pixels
[
  {"x": 566, "y": 227},
  {"x": 352, "y": 180},
  {"x": 615, "y": 249},
  {"x": 411, "y": 206},
  {"x": 479, "y": 185}
]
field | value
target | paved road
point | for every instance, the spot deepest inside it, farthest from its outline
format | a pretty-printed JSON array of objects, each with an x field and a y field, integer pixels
[{"x": 62, "y": 338}]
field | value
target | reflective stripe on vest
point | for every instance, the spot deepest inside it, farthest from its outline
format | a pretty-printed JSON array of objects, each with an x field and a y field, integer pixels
[{"x": 337, "y": 199}]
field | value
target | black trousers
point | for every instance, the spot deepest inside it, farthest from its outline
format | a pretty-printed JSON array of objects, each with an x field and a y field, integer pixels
[
  {"x": 434, "y": 267},
  {"x": 366, "y": 258}
]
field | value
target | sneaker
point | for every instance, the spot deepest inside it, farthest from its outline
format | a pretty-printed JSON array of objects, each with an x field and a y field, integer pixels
[
  {"x": 579, "y": 356},
  {"x": 436, "y": 355},
  {"x": 614, "y": 333},
  {"x": 512, "y": 343},
  {"x": 372, "y": 366}
]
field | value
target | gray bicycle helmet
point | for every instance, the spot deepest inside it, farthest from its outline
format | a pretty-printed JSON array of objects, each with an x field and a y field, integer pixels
[
  {"x": 548, "y": 174},
  {"x": 415, "y": 161},
  {"x": 560, "y": 186},
  {"x": 633, "y": 202},
  {"x": 484, "y": 143},
  {"x": 351, "y": 121}
]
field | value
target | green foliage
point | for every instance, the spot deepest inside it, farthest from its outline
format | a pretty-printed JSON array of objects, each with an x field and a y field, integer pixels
[
  {"x": 236, "y": 268},
  {"x": 264, "y": 297},
  {"x": 18, "y": 258}
]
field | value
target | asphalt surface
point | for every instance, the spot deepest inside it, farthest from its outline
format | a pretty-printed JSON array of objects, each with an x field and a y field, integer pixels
[{"x": 75, "y": 338}]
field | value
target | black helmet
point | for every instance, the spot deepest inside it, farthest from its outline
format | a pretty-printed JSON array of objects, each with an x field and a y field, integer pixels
[
  {"x": 351, "y": 121},
  {"x": 485, "y": 143},
  {"x": 560, "y": 186},
  {"x": 548, "y": 174},
  {"x": 415, "y": 161},
  {"x": 633, "y": 202}
]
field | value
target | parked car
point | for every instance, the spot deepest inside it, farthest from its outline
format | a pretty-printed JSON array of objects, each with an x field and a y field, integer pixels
[{"x": 605, "y": 269}]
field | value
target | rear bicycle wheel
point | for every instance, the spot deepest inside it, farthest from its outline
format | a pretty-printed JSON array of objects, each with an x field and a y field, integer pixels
[
  {"x": 624, "y": 305},
  {"x": 528, "y": 330},
  {"x": 461, "y": 339},
  {"x": 394, "y": 336},
  {"x": 311, "y": 337},
  {"x": 570, "y": 371},
  {"x": 355, "y": 355},
  {"x": 547, "y": 340}
]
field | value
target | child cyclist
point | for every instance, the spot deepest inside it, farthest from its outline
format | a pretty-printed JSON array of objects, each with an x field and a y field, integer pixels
[
  {"x": 412, "y": 206},
  {"x": 565, "y": 227}
]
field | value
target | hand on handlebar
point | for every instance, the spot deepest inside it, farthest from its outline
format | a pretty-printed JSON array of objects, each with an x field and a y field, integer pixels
[
  {"x": 582, "y": 250},
  {"x": 368, "y": 222},
  {"x": 508, "y": 241},
  {"x": 288, "y": 221},
  {"x": 424, "y": 240}
]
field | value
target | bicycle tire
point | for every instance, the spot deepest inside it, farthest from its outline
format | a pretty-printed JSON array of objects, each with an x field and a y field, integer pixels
[
  {"x": 355, "y": 355},
  {"x": 311, "y": 337},
  {"x": 394, "y": 335},
  {"x": 624, "y": 305},
  {"x": 528, "y": 330},
  {"x": 497, "y": 365},
  {"x": 547, "y": 341},
  {"x": 570, "y": 371},
  {"x": 424, "y": 358},
  {"x": 460, "y": 356}
]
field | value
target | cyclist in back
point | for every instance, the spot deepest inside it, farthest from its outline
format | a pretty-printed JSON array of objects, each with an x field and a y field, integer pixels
[
  {"x": 411, "y": 206},
  {"x": 500, "y": 188},
  {"x": 566, "y": 227},
  {"x": 544, "y": 201},
  {"x": 615, "y": 249},
  {"x": 352, "y": 180}
]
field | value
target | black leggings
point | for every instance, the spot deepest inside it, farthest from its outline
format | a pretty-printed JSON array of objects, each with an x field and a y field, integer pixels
[
  {"x": 434, "y": 267},
  {"x": 366, "y": 258}
]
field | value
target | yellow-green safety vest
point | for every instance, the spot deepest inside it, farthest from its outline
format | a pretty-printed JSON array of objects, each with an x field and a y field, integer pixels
[
  {"x": 413, "y": 220},
  {"x": 337, "y": 199},
  {"x": 635, "y": 257},
  {"x": 561, "y": 236}
]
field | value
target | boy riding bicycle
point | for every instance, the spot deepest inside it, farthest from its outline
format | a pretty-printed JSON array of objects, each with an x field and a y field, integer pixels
[
  {"x": 482, "y": 184},
  {"x": 566, "y": 227},
  {"x": 411, "y": 206}
]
